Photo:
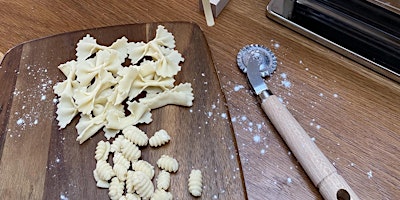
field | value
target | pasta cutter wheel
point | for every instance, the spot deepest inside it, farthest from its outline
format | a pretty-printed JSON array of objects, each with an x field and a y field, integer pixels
[
  {"x": 257, "y": 62},
  {"x": 266, "y": 68}
]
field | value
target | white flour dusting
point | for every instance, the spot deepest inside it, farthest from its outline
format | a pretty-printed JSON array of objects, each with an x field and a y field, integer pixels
[
  {"x": 238, "y": 87},
  {"x": 40, "y": 85},
  {"x": 63, "y": 197},
  {"x": 257, "y": 139},
  {"x": 369, "y": 174},
  {"x": 289, "y": 180}
]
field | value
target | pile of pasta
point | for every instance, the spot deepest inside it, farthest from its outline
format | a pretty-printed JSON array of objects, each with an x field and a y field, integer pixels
[
  {"x": 129, "y": 177},
  {"x": 97, "y": 84},
  {"x": 99, "y": 88}
]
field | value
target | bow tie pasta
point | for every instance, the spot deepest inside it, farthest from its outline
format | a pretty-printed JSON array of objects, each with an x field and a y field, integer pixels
[{"x": 97, "y": 84}]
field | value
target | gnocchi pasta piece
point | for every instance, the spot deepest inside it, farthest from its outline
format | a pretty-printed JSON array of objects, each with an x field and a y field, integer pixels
[
  {"x": 163, "y": 180},
  {"x": 130, "y": 151},
  {"x": 168, "y": 163},
  {"x": 116, "y": 145},
  {"x": 135, "y": 135},
  {"x": 104, "y": 170},
  {"x": 161, "y": 195},
  {"x": 141, "y": 183},
  {"x": 120, "y": 171},
  {"x": 130, "y": 197},
  {"x": 195, "y": 183},
  {"x": 102, "y": 150},
  {"x": 118, "y": 158},
  {"x": 145, "y": 167},
  {"x": 116, "y": 189},
  {"x": 100, "y": 183},
  {"x": 159, "y": 138}
]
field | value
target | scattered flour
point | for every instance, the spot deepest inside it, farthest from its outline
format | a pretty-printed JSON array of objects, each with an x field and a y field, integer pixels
[
  {"x": 262, "y": 151},
  {"x": 257, "y": 139},
  {"x": 238, "y": 87},
  {"x": 286, "y": 83},
  {"x": 20, "y": 121},
  {"x": 63, "y": 197},
  {"x": 369, "y": 174},
  {"x": 289, "y": 180}
]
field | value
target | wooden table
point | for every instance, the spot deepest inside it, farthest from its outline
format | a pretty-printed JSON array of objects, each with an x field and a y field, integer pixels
[{"x": 352, "y": 113}]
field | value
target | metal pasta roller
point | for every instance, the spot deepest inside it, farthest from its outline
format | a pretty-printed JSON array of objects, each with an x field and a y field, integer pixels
[{"x": 363, "y": 30}]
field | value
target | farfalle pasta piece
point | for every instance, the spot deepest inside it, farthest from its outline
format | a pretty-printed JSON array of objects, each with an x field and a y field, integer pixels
[
  {"x": 141, "y": 183},
  {"x": 164, "y": 38},
  {"x": 161, "y": 195},
  {"x": 110, "y": 133},
  {"x": 140, "y": 113},
  {"x": 88, "y": 126},
  {"x": 66, "y": 87},
  {"x": 87, "y": 70},
  {"x": 66, "y": 111},
  {"x": 135, "y": 135},
  {"x": 195, "y": 183},
  {"x": 136, "y": 51},
  {"x": 129, "y": 75},
  {"x": 180, "y": 95},
  {"x": 143, "y": 166},
  {"x": 102, "y": 150},
  {"x": 88, "y": 46},
  {"x": 163, "y": 180},
  {"x": 147, "y": 69},
  {"x": 159, "y": 138},
  {"x": 168, "y": 163},
  {"x": 116, "y": 189},
  {"x": 141, "y": 84},
  {"x": 168, "y": 65},
  {"x": 85, "y": 97},
  {"x": 66, "y": 107}
]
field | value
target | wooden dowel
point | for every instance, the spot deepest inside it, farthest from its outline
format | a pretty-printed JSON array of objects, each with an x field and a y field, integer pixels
[{"x": 208, "y": 12}]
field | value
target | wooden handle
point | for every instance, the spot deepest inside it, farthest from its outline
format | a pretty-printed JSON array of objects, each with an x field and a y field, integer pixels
[{"x": 320, "y": 170}]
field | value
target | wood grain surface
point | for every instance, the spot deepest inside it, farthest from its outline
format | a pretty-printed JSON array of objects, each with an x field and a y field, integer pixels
[
  {"x": 351, "y": 112},
  {"x": 40, "y": 161}
]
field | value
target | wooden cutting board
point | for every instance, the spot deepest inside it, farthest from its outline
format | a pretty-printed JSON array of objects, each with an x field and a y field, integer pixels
[{"x": 39, "y": 161}]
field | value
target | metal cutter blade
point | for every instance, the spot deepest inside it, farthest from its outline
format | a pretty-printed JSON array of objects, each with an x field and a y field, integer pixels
[{"x": 257, "y": 61}]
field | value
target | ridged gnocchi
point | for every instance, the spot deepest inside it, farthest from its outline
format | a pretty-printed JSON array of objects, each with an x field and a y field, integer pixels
[
  {"x": 116, "y": 189},
  {"x": 195, "y": 183},
  {"x": 159, "y": 138},
  {"x": 161, "y": 195},
  {"x": 102, "y": 150},
  {"x": 130, "y": 151},
  {"x": 141, "y": 183},
  {"x": 168, "y": 163},
  {"x": 135, "y": 135},
  {"x": 144, "y": 167},
  {"x": 163, "y": 180}
]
